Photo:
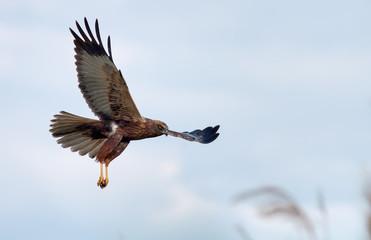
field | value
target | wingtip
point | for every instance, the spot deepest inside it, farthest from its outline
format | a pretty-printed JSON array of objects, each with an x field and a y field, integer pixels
[
  {"x": 211, "y": 139},
  {"x": 86, "y": 23},
  {"x": 209, "y": 134},
  {"x": 215, "y": 137},
  {"x": 77, "y": 24}
]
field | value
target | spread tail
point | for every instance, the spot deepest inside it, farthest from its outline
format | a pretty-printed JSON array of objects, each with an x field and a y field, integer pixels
[{"x": 70, "y": 130}]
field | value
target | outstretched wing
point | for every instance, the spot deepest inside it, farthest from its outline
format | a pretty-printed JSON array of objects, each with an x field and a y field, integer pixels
[
  {"x": 100, "y": 82},
  {"x": 207, "y": 135}
]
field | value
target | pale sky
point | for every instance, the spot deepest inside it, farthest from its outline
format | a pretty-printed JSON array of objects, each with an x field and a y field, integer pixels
[{"x": 288, "y": 81}]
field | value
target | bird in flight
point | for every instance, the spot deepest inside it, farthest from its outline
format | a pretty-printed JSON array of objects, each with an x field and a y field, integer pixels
[{"x": 107, "y": 94}]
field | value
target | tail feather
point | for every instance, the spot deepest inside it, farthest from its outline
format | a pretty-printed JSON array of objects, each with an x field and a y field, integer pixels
[
  {"x": 67, "y": 127},
  {"x": 72, "y": 139},
  {"x": 93, "y": 148},
  {"x": 79, "y": 146},
  {"x": 66, "y": 123}
]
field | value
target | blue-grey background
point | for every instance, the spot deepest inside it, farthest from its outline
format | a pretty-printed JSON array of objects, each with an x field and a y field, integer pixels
[{"x": 288, "y": 81}]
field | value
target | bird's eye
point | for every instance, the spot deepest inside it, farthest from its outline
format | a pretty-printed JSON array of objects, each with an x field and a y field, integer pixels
[{"x": 160, "y": 127}]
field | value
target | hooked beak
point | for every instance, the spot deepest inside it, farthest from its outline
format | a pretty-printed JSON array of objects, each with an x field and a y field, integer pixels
[{"x": 166, "y": 133}]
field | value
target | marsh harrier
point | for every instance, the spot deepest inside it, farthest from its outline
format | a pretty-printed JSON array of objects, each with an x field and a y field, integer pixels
[{"x": 108, "y": 96}]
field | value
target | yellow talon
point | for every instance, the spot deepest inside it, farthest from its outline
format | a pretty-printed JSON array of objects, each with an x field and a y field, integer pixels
[
  {"x": 101, "y": 178},
  {"x": 103, "y": 182}
]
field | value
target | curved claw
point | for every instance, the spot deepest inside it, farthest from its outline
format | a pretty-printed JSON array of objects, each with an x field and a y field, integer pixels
[{"x": 104, "y": 183}]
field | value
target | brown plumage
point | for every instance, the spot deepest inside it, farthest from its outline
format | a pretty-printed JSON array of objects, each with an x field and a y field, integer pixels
[{"x": 107, "y": 94}]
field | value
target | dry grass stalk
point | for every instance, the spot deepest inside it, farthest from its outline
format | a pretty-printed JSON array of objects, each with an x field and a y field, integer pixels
[
  {"x": 324, "y": 215},
  {"x": 243, "y": 233},
  {"x": 279, "y": 204},
  {"x": 367, "y": 194},
  {"x": 321, "y": 204}
]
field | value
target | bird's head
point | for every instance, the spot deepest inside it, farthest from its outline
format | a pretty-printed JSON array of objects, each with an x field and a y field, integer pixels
[{"x": 162, "y": 128}]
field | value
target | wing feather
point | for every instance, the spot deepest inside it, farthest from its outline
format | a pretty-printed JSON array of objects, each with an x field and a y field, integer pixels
[
  {"x": 100, "y": 82},
  {"x": 206, "y": 135}
]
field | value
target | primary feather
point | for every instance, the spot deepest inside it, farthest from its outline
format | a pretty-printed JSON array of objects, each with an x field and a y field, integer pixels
[{"x": 100, "y": 82}]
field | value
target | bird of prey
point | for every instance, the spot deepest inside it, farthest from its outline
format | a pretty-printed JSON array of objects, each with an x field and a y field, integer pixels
[{"x": 107, "y": 94}]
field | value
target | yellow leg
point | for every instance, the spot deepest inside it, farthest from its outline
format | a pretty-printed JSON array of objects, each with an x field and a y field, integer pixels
[
  {"x": 101, "y": 178},
  {"x": 106, "y": 179},
  {"x": 103, "y": 182}
]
